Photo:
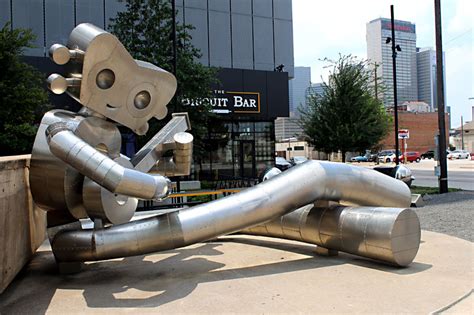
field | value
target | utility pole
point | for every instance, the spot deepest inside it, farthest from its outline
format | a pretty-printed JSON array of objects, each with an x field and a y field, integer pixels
[
  {"x": 175, "y": 67},
  {"x": 394, "y": 63},
  {"x": 443, "y": 178},
  {"x": 376, "y": 65},
  {"x": 462, "y": 133},
  {"x": 175, "y": 55}
]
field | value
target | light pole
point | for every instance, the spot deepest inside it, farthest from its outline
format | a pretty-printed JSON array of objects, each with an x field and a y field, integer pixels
[{"x": 395, "y": 48}]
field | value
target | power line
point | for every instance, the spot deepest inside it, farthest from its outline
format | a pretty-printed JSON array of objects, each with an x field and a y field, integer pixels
[{"x": 459, "y": 36}]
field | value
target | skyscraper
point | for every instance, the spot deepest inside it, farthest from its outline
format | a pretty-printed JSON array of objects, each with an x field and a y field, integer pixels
[
  {"x": 297, "y": 89},
  {"x": 426, "y": 72},
  {"x": 315, "y": 89},
  {"x": 378, "y": 51}
]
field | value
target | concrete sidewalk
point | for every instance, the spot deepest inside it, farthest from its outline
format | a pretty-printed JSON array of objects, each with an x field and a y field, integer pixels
[{"x": 244, "y": 274}]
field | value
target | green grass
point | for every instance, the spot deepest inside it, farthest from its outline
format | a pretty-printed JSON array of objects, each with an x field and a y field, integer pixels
[
  {"x": 429, "y": 190},
  {"x": 204, "y": 198}
]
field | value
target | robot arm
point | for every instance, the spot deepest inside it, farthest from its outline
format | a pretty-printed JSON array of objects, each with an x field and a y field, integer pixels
[{"x": 65, "y": 145}]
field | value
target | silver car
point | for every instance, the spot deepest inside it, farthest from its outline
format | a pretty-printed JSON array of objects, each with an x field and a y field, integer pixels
[{"x": 459, "y": 154}]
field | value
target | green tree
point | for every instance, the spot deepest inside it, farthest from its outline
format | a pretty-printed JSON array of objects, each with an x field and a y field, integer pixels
[
  {"x": 347, "y": 117},
  {"x": 145, "y": 29},
  {"x": 23, "y": 99}
]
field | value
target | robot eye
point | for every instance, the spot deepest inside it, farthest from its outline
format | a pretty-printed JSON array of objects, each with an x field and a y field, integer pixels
[
  {"x": 105, "y": 79},
  {"x": 142, "y": 99}
]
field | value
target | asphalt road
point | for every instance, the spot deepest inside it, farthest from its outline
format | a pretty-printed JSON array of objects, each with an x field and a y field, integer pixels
[{"x": 456, "y": 179}]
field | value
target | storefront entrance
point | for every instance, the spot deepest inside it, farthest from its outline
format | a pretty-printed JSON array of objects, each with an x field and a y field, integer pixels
[
  {"x": 246, "y": 158},
  {"x": 240, "y": 143},
  {"x": 237, "y": 150}
]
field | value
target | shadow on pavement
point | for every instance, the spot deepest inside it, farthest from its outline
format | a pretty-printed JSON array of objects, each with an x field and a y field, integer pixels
[
  {"x": 158, "y": 282},
  {"x": 342, "y": 258}
]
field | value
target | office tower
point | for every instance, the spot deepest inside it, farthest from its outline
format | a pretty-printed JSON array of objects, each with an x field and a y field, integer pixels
[
  {"x": 315, "y": 89},
  {"x": 426, "y": 72},
  {"x": 297, "y": 89},
  {"x": 380, "y": 52}
]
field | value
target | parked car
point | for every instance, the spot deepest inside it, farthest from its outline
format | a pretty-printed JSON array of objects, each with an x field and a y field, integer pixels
[
  {"x": 458, "y": 154},
  {"x": 413, "y": 157},
  {"x": 428, "y": 155},
  {"x": 399, "y": 172},
  {"x": 359, "y": 159},
  {"x": 282, "y": 164},
  {"x": 372, "y": 157},
  {"x": 298, "y": 160},
  {"x": 388, "y": 156}
]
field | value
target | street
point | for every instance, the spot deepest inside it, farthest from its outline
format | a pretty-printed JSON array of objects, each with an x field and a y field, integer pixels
[
  {"x": 460, "y": 173},
  {"x": 456, "y": 179}
]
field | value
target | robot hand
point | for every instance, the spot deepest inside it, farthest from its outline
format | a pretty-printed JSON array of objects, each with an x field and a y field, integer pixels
[{"x": 75, "y": 152}]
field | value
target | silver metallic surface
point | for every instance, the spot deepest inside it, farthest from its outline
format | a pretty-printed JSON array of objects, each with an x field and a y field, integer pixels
[
  {"x": 105, "y": 79},
  {"x": 102, "y": 204},
  {"x": 180, "y": 163},
  {"x": 391, "y": 235},
  {"x": 142, "y": 99},
  {"x": 58, "y": 84},
  {"x": 105, "y": 85},
  {"x": 172, "y": 137},
  {"x": 280, "y": 195},
  {"x": 59, "y": 54},
  {"x": 75, "y": 152},
  {"x": 54, "y": 185},
  {"x": 76, "y": 169},
  {"x": 118, "y": 101},
  {"x": 271, "y": 173},
  {"x": 404, "y": 174}
]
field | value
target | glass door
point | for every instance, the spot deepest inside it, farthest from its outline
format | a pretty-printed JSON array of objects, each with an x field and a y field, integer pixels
[{"x": 247, "y": 159}]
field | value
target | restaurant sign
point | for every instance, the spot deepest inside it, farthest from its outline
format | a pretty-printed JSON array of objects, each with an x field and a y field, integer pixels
[{"x": 227, "y": 102}]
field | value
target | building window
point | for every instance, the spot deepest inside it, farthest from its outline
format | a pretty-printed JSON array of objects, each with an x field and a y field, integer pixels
[{"x": 236, "y": 150}]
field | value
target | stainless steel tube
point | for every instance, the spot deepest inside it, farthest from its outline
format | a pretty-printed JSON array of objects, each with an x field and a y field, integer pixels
[
  {"x": 299, "y": 186},
  {"x": 65, "y": 145},
  {"x": 391, "y": 235}
]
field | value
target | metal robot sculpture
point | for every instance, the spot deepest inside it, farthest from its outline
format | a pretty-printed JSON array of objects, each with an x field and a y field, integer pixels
[{"x": 77, "y": 171}]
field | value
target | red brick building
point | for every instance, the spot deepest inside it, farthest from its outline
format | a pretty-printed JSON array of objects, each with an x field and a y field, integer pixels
[{"x": 423, "y": 127}]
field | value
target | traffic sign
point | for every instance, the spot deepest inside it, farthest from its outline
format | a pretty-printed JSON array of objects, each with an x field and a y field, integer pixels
[{"x": 403, "y": 134}]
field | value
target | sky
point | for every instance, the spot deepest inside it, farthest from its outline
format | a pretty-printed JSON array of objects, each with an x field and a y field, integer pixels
[{"x": 325, "y": 28}]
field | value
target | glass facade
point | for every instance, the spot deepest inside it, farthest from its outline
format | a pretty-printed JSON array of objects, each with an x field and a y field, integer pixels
[
  {"x": 297, "y": 88},
  {"x": 378, "y": 51},
  {"x": 244, "y": 34},
  {"x": 426, "y": 70},
  {"x": 236, "y": 150},
  {"x": 245, "y": 39}
]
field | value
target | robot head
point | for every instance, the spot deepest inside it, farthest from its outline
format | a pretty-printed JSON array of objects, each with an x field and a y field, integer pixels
[{"x": 112, "y": 83}]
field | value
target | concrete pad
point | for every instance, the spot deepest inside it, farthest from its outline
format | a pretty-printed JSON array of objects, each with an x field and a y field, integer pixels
[
  {"x": 245, "y": 274},
  {"x": 417, "y": 200}
]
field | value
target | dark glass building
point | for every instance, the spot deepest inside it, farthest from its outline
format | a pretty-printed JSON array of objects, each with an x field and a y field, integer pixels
[
  {"x": 250, "y": 41},
  {"x": 241, "y": 142}
]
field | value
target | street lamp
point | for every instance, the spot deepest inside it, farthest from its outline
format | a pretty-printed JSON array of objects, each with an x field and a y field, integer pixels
[{"x": 395, "y": 48}]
